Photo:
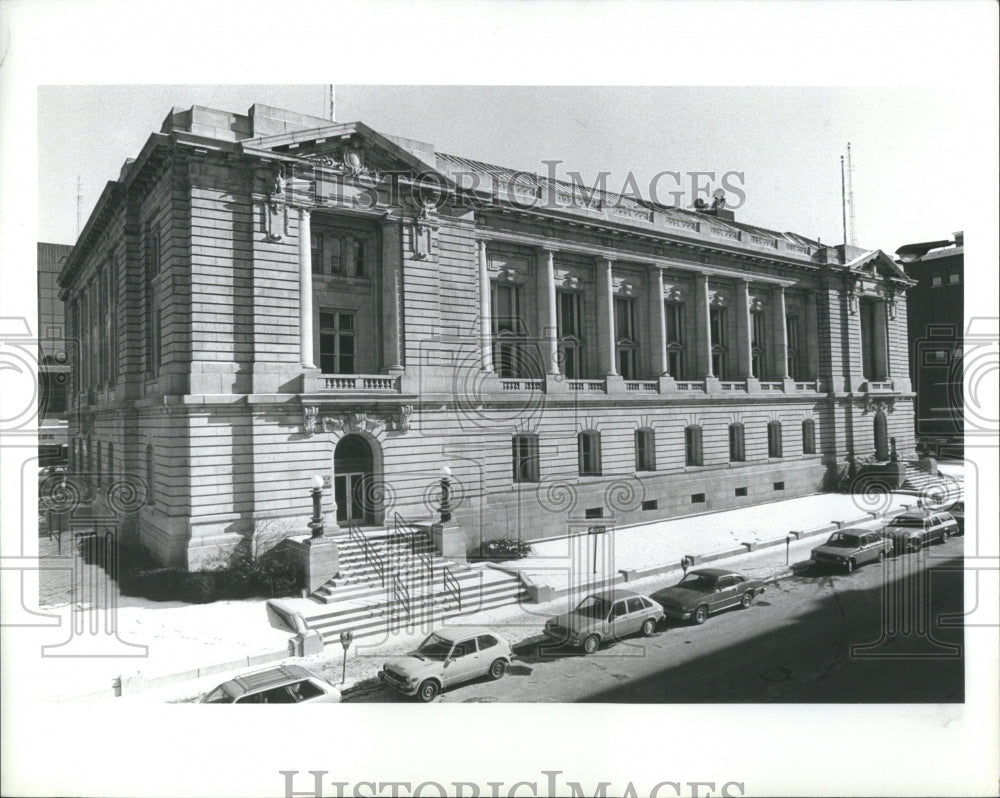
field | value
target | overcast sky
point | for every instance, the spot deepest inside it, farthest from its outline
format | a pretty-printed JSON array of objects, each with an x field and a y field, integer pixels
[{"x": 787, "y": 142}]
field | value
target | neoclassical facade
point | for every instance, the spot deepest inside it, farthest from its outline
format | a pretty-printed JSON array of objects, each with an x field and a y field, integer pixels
[{"x": 265, "y": 297}]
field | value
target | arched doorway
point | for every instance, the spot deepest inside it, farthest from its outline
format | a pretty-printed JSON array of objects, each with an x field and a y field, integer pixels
[
  {"x": 881, "y": 436},
  {"x": 353, "y": 480}
]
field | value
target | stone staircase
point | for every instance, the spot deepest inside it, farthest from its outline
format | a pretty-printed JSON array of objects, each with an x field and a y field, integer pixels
[
  {"x": 391, "y": 580},
  {"x": 939, "y": 490}
]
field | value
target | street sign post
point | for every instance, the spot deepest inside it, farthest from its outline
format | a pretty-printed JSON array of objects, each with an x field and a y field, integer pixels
[{"x": 596, "y": 530}]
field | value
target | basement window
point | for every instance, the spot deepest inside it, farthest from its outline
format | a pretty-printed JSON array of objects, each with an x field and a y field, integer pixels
[
  {"x": 697, "y": 498},
  {"x": 741, "y": 491},
  {"x": 651, "y": 504},
  {"x": 594, "y": 512},
  {"x": 779, "y": 485}
]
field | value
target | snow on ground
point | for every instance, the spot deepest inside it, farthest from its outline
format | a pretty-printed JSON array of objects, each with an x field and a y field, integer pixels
[
  {"x": 181, "y": 638},
  {"x": 565, "y": 561}
]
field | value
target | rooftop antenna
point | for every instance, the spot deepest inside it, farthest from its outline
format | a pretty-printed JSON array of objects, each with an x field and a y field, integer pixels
[
  {"x": 332, "y": 99},
  {"x": 843, "y": 198},
  {"x": 79, "y": 204},
  {"x": 850, "y": 197}
]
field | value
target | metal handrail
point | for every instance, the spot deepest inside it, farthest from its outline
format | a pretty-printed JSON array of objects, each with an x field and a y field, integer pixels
[
  {"x": 372, "y": 557},
  {"x": 452, "y": 585},
  {"x": 402, "y": 594}
]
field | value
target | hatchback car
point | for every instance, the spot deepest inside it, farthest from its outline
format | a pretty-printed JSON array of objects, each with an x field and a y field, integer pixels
[
  {"x": 913, "y": 530},
  {"x": 707, "y": 590},
  {"x": 850, "y": 548},
  {"x": 610, "y": 615},
  {"x": 286, "y": 684},
  {"x": 448, "y": 657}
]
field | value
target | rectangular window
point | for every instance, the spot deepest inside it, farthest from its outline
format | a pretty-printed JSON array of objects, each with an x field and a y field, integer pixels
[
  {"x": 626, "y": 342},
  {"x": 589, "y": 451},
  {"x": 937, "y": 280},
  {"x": 570, "y": 332},
  {"x": 692, "y": 446},
  {"x": 333, "y": 252},
  {"x": 779, "y": 485},
  {"x": 645, "y": 454},
  {"x": 651, "y": 504},
  {"x": 674, "y": 317},
  {"x": 336, "y": 342},
  {"x": 508, "y": 359},
  {"x": 316, "y": 245},
  {"x": 525, "y": 457},
  {"x": 757, "y": 343},
  {"x": 360, "y": 257},
  {"x": 794, "y": 350},
  {"x": 697, "y": 498},
  {"x": 774, "y": 439},
  {"x": 717, "y": 318},
  {"x": 808, "y": 437},
  {"x": 594, "y": 512},
  {"x": 741, "y": 492},
  {"x": 737, "y": 451},
  {"x": 954, "y": 277}
]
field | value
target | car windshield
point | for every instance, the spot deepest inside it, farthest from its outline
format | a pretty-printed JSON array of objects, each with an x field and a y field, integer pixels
[
  {"x": 218, "y": 696},
  {"x": 698, "y": 582},
  {"x": 434, "y": 647},
  {"x": 919, "y": 522},
  {"x": 841, "y": 539},
  {"x": 592, "y": 607}
]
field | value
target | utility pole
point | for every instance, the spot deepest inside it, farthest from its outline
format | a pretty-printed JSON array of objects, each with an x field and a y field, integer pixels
[
  {"x": 79, "y": 204},
  {"x": 843, "y": 198},
  {"x": 332, "y": 102},
  {"x": 850, "y": 196}
]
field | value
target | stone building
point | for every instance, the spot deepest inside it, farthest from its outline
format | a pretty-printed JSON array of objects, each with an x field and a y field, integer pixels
[
  {"x": 265, "y": 297},
  {"x": 53, "y": 357},
  {"x": 936, "y": 324}
]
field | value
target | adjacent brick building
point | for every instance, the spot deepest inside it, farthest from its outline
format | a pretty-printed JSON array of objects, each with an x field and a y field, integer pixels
[
  {"x": 265, "y": 297},
  {"x": 936, "y": 323}
]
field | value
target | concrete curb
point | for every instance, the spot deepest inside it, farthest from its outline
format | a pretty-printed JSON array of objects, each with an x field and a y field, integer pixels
[{"x": 133, "y": 684}]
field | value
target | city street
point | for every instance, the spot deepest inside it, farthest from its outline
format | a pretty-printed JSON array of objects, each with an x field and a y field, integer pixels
[{"x": 816, "y": 636}]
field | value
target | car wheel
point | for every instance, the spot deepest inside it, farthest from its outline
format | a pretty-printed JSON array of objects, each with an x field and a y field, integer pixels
[
  {"x": 851, "y": 565},
  {"x": 428, "y": 691},
  {"x": 881, "y": 556},
  {"x": 747, "y": 600},
  {"x": 498, "y": 669},
  {"x": 648, "y": 627},
  {"x": 701, "y": 614},
  {"x": 591, "y": 644}
]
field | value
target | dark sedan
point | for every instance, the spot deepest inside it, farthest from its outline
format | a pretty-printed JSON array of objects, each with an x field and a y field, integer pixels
[{"x": 705, "y": 591}]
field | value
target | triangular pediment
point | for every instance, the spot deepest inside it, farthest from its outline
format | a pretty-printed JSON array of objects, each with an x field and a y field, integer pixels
[
  {"x": 352, "y": 147},
  {"x": 876, "y": 265}
]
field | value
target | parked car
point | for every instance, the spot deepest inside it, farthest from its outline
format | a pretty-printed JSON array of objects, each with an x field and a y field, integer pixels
[
  {"x": 850, "y": 548},
  {"x": 610, "y": 615},
  {"x": 285, "y": 684},
  {"x": 958, "y": 513},
  {"x": 448, "y": 657},
  {"x": 914, "y": 529},
  {"x": 705, "y": 591}
]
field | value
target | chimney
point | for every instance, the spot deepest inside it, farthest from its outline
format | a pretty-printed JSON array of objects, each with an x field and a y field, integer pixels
[{"x": 959, "y": 238}]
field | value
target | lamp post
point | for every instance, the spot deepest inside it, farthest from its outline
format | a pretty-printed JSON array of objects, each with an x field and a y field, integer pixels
[
  {"x": 316, "y": 524},
  {"x": 445, "y": 494}
]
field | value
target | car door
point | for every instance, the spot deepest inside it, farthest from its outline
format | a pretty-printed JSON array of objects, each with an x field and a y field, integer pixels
[
  {"x": 463, "y": 664},
  {"x": 725, "y": 593},
  {"x": 866, "y": 549},
  {"x": 618, "y": 620},
  {"x": 637, "y": 613}
]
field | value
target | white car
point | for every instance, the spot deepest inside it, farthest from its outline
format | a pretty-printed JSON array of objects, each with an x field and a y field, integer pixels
[{"x": 285, "y": 684}]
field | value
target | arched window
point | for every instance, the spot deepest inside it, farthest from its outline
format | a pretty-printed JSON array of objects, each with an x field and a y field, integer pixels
[
  {"x": 692, "y": 446},
  {"x": 645, "y": 450},
  {"x": 589, "y": 452},
  {"x": 774, "y": 439},
  {"x": 808, "y": 436},
  {"x": 525, "y": 457},
  {"x": 150, "y": 493},
  {"x": 737, "y": 447}
]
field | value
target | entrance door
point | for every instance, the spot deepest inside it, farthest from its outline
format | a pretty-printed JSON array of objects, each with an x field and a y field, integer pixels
[
  {"x": 353, "y": 468},
  {"x": 353, "y": 498}
]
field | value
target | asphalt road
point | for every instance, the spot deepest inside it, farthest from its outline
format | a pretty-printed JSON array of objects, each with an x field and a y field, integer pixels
[{"x": 883, "y": 634}]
